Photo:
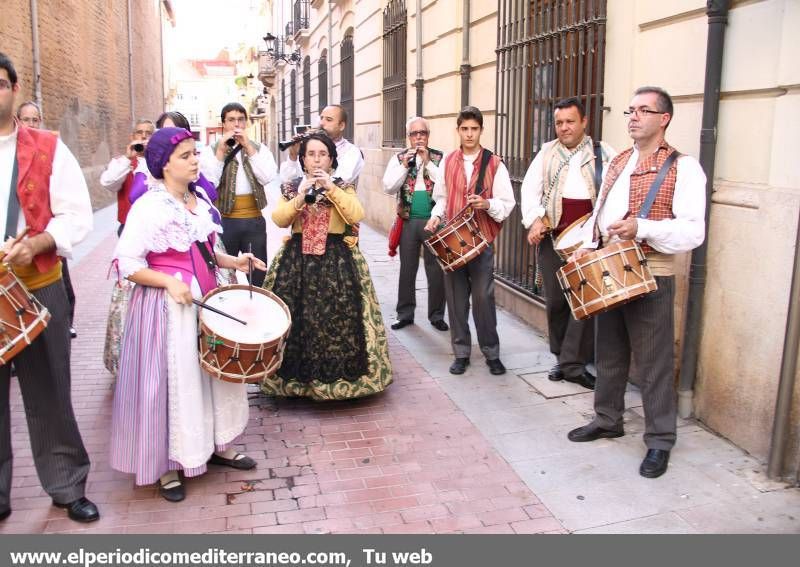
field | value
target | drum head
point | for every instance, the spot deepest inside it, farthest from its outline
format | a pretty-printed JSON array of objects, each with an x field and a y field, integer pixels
[
  {"x": 266, "y": 317},
  {"x": 573, "y": 235}
]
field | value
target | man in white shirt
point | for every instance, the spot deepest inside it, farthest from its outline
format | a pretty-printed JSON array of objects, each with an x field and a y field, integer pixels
[
  {"x": 240, "y": 168},
  {"x": 332, "y": 119},
  {"x": 45, "y": 209},
  {"x": 410, "y": 175},
  {"x": 560, "y": 187},
  {"x": 456, "y": 187},
  {"x": 118, "y": 175},
  {"x": 644, "y": 329}
]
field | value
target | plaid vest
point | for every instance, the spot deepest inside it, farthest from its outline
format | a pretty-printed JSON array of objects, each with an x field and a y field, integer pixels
[{"x": 641, "y": 178}]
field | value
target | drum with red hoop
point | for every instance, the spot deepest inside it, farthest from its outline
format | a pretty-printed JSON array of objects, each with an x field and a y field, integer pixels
[
  {"x": 22, "y": 317},
  {"x": 233, "y": 352},
  {"x": 458, "y": 242}
]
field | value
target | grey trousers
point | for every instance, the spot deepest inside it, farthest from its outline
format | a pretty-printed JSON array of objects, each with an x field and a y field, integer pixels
[
  {"x": 476, "y": 279},
  {"x": 643, "y": 329},
  {"x": 239, "y": 234},
  {"x": 411, "y": 240},
  {"x": 571, "y": 341},
  {"x": 43, "y": 369}
]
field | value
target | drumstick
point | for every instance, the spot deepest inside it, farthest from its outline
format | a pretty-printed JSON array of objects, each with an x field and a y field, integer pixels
[
  {"x": 250, "y": 269},
  {"x": 217, "y": 311},
  {"x": 12, "y": 242}
]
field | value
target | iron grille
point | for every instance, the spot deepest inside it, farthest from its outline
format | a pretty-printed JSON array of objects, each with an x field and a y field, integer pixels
[
  {"x": 293, "y": 98},
  {"x": 322, "y": 79},
  {"x": 307, "y": 90},
  {"x": 394, "y": 73},
  {"x": 283, "y": 109},
  {"x": 348, "y": 80},
  {"x": 546, "y": 50},
  {"x": 300, "y": 15}
]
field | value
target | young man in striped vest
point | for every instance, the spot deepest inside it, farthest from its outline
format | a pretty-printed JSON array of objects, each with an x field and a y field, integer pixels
[
  {"x": 561, "y": 185},
  {"x": 44, "y": 202},
  {"x": 240, "y": 168},
  {"x": 644, "y": 328},
  {"x": 411, "y": 175},
  {"x": 492, "y": 202}
]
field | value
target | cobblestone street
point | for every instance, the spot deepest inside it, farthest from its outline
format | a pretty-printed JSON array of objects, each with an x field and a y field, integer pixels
[{"x": 433, "y": 454}]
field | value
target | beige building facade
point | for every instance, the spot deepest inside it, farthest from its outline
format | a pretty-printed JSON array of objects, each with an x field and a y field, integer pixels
[{"x": 614, "y": 47}]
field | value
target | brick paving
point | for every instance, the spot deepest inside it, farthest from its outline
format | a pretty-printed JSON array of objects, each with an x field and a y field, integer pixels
[{"x": 405, "y": 461}]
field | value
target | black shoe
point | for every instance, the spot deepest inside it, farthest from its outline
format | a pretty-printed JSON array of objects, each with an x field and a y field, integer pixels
[
  {"x": 5, "y": 514},
  {"x": 80, "y": 510},
  {"x": 496, "y": 367},
  {"x": 242, "y": 463},
  {"x": 592, "y": 433},
  {"x": 459, "y": 366},
  {"x": 655, "y": 463},
  {"x": 586, "y": 380},
  {"x": 555, "y": 374},
  {"x": 441, "y": 325},
  {"x": 397, "y": 325},
  {"x": 72, "y": 333},
  {"x": 173, "y": 491}
]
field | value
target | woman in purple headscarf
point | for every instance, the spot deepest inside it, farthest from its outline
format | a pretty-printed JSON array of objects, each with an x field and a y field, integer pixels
[{"x": 168, "y": 414}]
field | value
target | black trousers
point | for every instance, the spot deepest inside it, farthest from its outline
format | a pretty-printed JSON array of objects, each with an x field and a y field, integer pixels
[
  {"x": 411, "y": 240},
  {"x": 68, "y": 288},
  {"x": 43, "y": 369},
  {"x": 238, "y": 235},
  {"x": 571, "y": 341}
]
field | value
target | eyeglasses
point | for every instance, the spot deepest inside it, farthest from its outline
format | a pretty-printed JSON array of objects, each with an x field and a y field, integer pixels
[
  {"x": 416, "y": 133},
  {"x": 239, "y": 120},
  {"x": 4, "y": 84},
  {"x": 645, "y": 112}
]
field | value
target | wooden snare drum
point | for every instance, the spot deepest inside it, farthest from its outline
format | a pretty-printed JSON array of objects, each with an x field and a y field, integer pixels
[
  {"x": 571, "y": 238},
  {"x": 458, "y": 242},
  {"x": 233, "y": 352},
  {"x": 22, "y": 317},
  {"x": 605, "y": 279}
]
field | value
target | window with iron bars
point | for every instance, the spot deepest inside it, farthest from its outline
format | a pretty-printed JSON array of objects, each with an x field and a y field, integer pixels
[
  {"x": 348, "y": 80},
  {"x": 293, "y": 99},
  {"x": 546, "y": 50},
  {"x": 394, "y": 74},
  {"x": 322, "y": 80},
  {"x": 307, "y": 90},
  {"x": 283, "y": 109},
  {"x": 300, "y": 15}
]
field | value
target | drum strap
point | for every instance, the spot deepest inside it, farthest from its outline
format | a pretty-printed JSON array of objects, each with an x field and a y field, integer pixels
[
  {"x": 486, "y": 155},
  {"x": 598, "y": 168},
  {"x": 653, "y": 191},
  {"x": 211, "y": 261},
  {"x": 12, "y": 214}
]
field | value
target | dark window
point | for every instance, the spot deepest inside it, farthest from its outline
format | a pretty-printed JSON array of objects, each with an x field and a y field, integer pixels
[
  {"x": 394, "y": 74},
  {"x": 322, "y": 78},
  {"x": 546, "y": 50},
  {"x": 307, "y": 90},
  {"x": 348, "y": 80},
  {"x": 293, "y": 98},
  {"x": 283, "y": 109},
  {"x": 300, "y": 15}
]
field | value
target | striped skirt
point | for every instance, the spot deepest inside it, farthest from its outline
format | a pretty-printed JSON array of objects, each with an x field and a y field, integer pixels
[{"x": 140, "y": 425}]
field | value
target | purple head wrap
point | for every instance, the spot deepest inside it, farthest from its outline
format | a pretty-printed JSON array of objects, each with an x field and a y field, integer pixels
[{"x": 160, "y": 147}]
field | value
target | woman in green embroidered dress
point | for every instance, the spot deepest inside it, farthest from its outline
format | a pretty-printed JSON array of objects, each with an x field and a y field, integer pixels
[{"x": 337, "y": 346}]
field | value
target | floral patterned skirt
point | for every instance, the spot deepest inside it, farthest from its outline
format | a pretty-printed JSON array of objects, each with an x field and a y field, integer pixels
[{"x": 337, "y": 346}]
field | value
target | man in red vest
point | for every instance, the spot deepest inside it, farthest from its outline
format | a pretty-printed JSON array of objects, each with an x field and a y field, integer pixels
[
  {"x": 118, "y": 175},
  {"x": 643, "y": 330},
  {"x": 493, "y": 201},
  {"x": 43, "y": 200}
]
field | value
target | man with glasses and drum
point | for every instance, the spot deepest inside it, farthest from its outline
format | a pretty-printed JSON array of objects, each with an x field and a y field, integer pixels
[
  {"x": 472, "y": 177},
  {"x": 558, "y": 195},
  {"x": 411, "y": 175},
  {"x": 655, "y": 196},
  {"x": 45, "y": 211},
  {"x": 240, "y": 168}
]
